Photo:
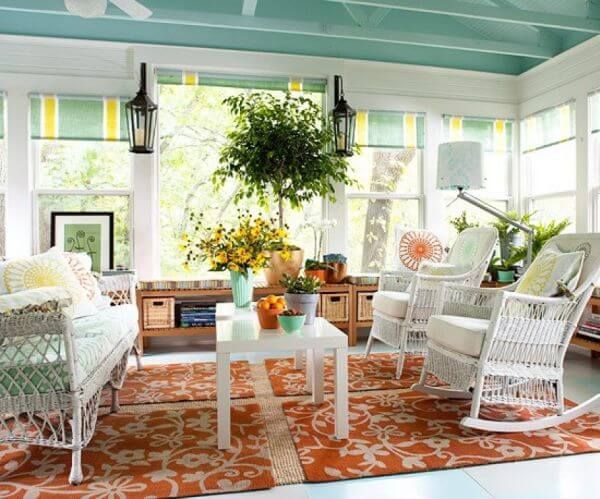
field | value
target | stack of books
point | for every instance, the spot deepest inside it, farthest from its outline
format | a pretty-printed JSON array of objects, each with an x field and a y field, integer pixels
[
  {"x": 197, "y": 314},
  {"x": 590, "y": 327}
]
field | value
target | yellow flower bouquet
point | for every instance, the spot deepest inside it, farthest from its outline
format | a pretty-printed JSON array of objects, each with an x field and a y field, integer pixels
[{"x": 240, "y": 248}]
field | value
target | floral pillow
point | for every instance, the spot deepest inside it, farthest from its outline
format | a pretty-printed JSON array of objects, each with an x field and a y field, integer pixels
[
  {"x": 81, "y": 265},
  {"x": 552, "y": 273},
  {"x": 415, "y": 246},
  {"x": 47, "y": 269}
]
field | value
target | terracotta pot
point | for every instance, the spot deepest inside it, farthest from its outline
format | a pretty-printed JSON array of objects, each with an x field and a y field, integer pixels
[
  {"x": 268, "y": 318},
  {"x": 337, "y": 273},
  {"x": 274, "y": 273},
  {"x": 320, "y": 274}
]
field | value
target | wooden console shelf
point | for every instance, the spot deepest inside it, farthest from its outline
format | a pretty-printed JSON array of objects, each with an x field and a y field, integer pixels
[
  {"x": 350, "y": 293},
  {"x": 581, "y": 341}
]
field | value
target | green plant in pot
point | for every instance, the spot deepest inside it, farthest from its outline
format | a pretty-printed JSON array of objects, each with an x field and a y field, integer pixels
[
  {"x": 315, "y": 268},
  {"x": 461, "y": 223},
  {"x": 302, "y": 293},
  {"x": 280, "y": 147},
  {"x": 337, "y": 267},
  {"x": 542, "y": 233},
  {"x": 508, "y": 235}
]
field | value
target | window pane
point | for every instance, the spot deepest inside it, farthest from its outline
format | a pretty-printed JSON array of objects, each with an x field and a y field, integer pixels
[
  {"x": 66, "y": 164},
  {"x": 2, "y": 163},
  {"x": 551, "y": 169},
  {"x": 474, "y": 214},
  {"x": 2, "y": 226},
  {"x": 117, "y": 204},
  {"x": 193, "y": 125},
  {"x": 371, "y": 224},
  {"x": 387, "y": 170},
  {"x": 555, "y": 208}
]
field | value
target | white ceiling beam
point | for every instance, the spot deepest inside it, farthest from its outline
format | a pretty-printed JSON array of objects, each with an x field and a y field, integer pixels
[
  {"x": 166, "y": 16},
  {"x": 485, "y": 12},
  {"x": 249, "y": 7}
]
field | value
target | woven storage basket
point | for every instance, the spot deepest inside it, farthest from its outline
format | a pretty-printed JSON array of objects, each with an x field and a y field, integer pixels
[
  {"x": 159, "y": 313},
  {"x": 334, "y": 307},
  {"x": 365, "y": 306}
]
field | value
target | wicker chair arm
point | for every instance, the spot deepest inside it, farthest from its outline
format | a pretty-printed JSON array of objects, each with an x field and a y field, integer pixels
[
  {"x": 395, "y": 280},
  {"x": 468, "y": 301},
  {"x": 120, "y": 288}
]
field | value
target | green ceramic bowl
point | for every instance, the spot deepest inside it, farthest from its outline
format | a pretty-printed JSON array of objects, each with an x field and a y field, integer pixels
[{"x": 291, "y": 323}]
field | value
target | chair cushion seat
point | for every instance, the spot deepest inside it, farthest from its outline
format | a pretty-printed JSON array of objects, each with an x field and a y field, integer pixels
[
  {"x": 460, "y": 334},
  {"x": 94, "y": 338},
  {"x": 393, "y": 303}
]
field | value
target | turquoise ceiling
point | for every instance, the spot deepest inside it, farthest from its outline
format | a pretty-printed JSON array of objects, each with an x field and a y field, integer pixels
[{"x": 500, "y": 36}]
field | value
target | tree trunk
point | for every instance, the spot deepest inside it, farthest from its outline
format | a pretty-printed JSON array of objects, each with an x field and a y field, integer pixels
[
  {"x": 280, "y": 208},
  {"x": 388, "y": 168}
]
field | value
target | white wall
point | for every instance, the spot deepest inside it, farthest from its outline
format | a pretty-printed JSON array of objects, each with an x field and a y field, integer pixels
[{"x": 61, "y": 66}]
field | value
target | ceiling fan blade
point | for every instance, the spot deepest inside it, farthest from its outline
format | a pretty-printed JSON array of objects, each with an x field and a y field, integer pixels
[{"x": 133, "y": 8}]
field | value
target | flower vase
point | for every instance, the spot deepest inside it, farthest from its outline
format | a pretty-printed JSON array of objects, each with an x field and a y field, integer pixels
[{"x": 241, "y": 288}]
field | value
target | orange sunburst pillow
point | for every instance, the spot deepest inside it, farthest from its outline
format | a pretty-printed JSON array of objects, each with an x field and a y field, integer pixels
[{"x": 416, "y": 246}]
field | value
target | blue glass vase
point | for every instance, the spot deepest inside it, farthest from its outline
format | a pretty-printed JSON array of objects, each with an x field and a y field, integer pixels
[{"x": 241, "y": 288}]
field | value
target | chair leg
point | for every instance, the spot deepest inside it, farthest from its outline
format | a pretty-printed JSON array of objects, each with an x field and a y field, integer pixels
[
  {"x": 400, "y": 364},
  {"x": 114, "y": 403},
  {"x": 369, "y": 345},
  {"x": 477, "y": 391},
  {"x": 560, "y": 395},
  {"x": 76, "y": 475},
  {"x": 138, "y": 349}
]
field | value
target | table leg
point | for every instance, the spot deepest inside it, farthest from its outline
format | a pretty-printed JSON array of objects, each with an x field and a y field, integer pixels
[
  {"x": 317, "y": 375},
  {"x": 299, "y": 359},
  {"x": 223, "y": 402},
  {"x": 341, "y": 393},
  {"x": 308, "y": 370}
]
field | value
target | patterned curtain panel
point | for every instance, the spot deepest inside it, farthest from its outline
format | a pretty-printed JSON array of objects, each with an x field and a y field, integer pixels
[
  {"x": 390, "y": 129},
  {"x": 595, "y": 112},
  {"x": 495, "y": 135},
  {"x": 78, "y": 118},
  {"x": 178, "y": 77},
  {"x": 1, "y": 115},
  {"x": 548, "y": 127}
]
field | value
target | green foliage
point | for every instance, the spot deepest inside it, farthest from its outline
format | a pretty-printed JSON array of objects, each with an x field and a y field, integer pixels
[
  {"x": 507, "y": 231},
  {"x": 280, "y": 147},
  {"x": 334, "y": 258},
  {"x": 542, "y": 234},
  {"x": 314, "y": 265},
  {"x": 301, "y": 285},
  {"x": 460, "y": 223}
]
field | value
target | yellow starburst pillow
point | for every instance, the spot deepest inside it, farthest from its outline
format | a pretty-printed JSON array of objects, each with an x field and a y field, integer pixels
[
  {"x": 47, "y": 269},
  {"x": 550, "y": 268}
]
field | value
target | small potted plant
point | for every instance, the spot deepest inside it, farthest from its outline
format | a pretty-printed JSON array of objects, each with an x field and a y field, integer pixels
[
  {"x": 302, "y": 293},
  {"x": 291, "y": 320},
  {"x": 337, "y": 267},
  {"x": 314, "y": 268}
]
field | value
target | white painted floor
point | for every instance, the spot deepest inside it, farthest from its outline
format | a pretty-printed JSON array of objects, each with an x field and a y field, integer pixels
[{"x": 556, "y": 478}]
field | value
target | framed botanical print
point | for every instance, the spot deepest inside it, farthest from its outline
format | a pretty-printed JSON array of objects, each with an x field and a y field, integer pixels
[{"x": 90, "y": 232}]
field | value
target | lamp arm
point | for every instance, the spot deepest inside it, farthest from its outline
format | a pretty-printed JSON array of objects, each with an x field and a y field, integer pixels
[{"x": 492, "y": 210}]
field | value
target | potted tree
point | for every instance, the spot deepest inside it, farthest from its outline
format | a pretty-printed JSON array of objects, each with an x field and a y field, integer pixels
[
  {"x": 302, "y": 293},
  {"x": 280, "y": 147}
]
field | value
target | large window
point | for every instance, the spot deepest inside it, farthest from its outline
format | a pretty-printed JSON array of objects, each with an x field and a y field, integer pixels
[
  {"x": 549, "y": 163},
  {"x": 193, "y": 126},
  {"x": 82, "y": 163},
  {"x": 496, "y": 136},
  {"x": 2, "y": 179},
  {"x": 389, "y": 186},
  {"x": 594, "y": 138}
]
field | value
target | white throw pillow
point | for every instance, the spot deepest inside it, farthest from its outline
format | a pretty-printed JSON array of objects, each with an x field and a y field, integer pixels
[
  {"x": 548, "y": 269},
  {"x": 13, "y": 302},
  {"x": 440, "y": 269},
  {"x": 47, "y": 269}
]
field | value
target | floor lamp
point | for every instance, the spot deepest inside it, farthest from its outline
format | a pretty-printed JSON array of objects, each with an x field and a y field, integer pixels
[{"x": 460, "y": 166}]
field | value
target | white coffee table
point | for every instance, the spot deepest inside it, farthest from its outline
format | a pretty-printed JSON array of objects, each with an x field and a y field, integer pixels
[{"x": 238, "y": 331}]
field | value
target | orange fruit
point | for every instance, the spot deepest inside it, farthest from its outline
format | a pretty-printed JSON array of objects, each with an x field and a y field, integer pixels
[
  {"x": 265, "y": 305},
  {"x": 277, "y": 306},
  {"x": 271, "y": 299},
  {"x": 281, "y": 299}
]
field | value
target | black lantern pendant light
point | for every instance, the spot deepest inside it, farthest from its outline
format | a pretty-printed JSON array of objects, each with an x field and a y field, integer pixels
[
  {"x": 141, "y": 117},
  {"x": 344, "y": 121}
]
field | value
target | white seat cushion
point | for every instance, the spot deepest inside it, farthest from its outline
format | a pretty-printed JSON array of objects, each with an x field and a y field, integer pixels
[
  {"x": 461, "y": 334},
  {"x": 392, "y": 303}
]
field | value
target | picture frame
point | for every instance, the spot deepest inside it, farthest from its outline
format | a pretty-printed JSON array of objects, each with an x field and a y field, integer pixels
[{"x": 90, "y": 232}]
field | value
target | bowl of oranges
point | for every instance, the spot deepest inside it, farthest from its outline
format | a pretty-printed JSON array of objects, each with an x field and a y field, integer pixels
[{"x": 268, "y": 308}]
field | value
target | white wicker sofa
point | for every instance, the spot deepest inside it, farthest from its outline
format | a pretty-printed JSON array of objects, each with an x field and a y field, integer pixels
[{"x": 53, "y": 369}]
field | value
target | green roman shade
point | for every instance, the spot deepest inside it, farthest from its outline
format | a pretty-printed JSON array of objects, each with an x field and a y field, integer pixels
[
  {"x": 284, "y": 84},
  {"x": 66, "y": 117},
  {"x": 548, "y": 127},
  {"x": 496, "y": 135},
  {"x": 390, "y": 129},
  {"x": 1, "y": 115},
  {"x": 595, "y": 112}
]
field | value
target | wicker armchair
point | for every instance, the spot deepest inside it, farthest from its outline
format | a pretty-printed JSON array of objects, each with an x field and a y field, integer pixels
[
  {"x": 53, "y": 370},
  {"x": 497, "y": 346},
  {"x": 405, "y": 300}
]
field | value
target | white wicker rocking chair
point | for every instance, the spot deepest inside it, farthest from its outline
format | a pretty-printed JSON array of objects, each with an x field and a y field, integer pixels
[
  {"x": 509, "y": 348},
  {"x": 405, "y": 300},
  {"x": 46, "y": 398}
]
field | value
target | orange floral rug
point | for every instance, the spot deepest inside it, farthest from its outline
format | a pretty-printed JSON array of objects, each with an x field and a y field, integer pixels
[
  {"x": 169, "y": 453},
  {"x": 392, "y": 432},
  {"x": 377, "y": 372},
  {"x": 156, "y": 384}
]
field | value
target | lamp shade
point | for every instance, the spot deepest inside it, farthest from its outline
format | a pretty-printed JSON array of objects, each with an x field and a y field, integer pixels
[{"x": 460, "y": 165}]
